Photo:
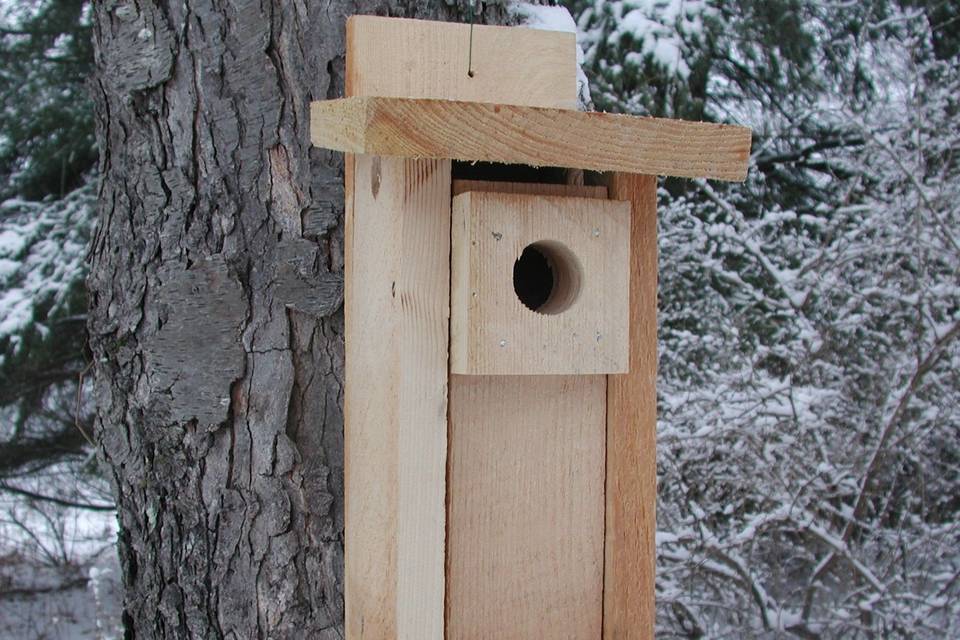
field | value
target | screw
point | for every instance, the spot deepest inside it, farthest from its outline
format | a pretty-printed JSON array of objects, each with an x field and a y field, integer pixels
[
  {"x": 596, "y": 232},
  {"x": 503, "y": 343}
]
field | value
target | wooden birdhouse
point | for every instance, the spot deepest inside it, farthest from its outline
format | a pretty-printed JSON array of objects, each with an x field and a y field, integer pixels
[{"x": 500, "y": 334}]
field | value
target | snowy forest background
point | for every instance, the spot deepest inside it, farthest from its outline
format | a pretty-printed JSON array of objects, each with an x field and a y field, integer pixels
[{"x": 809, "y": 429}]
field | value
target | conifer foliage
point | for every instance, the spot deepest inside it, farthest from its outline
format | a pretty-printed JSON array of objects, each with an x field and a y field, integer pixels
[
  {"x": 809, "y": 429},
  {"x": 810, "y": 319},
  {"x": 47, "y": 195}
]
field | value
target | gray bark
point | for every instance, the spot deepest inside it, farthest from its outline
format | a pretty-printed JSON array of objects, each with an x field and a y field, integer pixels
[{"x": 215, "y": 322}]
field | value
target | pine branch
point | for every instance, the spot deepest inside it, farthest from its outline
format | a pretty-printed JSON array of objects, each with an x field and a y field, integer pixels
[{"x": 763, "y": 163}]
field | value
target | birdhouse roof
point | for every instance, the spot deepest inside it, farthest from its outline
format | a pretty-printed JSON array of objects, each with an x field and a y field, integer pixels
[{"x": 537, "y": 136}]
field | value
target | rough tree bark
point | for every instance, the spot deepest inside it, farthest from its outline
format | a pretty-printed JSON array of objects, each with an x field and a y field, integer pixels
[{"x": 215, "y": 321}]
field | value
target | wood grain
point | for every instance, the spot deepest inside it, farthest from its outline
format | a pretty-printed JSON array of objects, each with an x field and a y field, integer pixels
[
  {"x": 512, "y": 496},
  {"x": 397, "y": 276},
  {"x": 525, "y": 533},
  {"x": 587, "y": 242},
  {"x": 631, "y": 484},
  {"x": 397, "y": 304},
  {"x": 540, "y": 188},
  {"x": 475, "y": 131},
  {"x": 515, "y": 66}
]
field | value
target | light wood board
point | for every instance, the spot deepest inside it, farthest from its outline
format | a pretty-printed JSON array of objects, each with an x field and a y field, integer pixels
[
  {"x": 546, "y": 189},
  {"x": 397, "y": 307},
  {"x": 631, "y": 485},
  {"x": 397, "y": 312},
  {"x": 525, "y": 470},
  {"x": 514, "y": 66},
  {"x": 525, "y": 533},
  {"x": 475, "y": 131},
  {"x": 587, "y": 241}
]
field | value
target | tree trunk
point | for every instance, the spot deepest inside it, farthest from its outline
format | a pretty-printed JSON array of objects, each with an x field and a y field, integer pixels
[{"x": 215, "y": 320}]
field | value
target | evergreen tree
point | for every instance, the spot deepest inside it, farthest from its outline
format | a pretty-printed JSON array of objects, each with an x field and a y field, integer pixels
[
  {"x": 47, "y": 160},
  {"x": 810, "y": 318},
  {"x": 46, "y": 126}
]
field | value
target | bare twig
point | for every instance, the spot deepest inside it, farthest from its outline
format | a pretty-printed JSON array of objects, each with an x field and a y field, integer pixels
[
  {"x": 75, "y": 583},
  {"x": 875, "y": 464},
  {"x": 76, "y": 412},
  {"x": 52, "y": 499}
]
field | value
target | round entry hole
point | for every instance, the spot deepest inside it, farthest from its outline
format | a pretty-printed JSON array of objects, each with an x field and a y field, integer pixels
[{"x": 546, "y": 277}]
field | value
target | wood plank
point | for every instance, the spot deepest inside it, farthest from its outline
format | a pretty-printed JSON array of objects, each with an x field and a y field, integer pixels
[
  {"x": 480, "y": 516},
  {"x": 581, "y": 327},
  {"x": 631, "y": 485},
  {"x": 420, "y": 290},
  {"x": 541, "y": 188},
  {"x": 474, "y": 131},
  {"x": 397, "y": 340},
  {"x": 397, "y": 297},
  {"x": 512, "y": 65},
  {"x": 525, "y": 535}
]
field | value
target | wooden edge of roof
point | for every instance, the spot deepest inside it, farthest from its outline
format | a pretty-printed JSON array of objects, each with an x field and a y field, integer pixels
[{"x": 510, "y": 134}]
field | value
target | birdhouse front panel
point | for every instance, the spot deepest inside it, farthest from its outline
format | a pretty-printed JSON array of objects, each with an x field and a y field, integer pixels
[
  {"x": 539, "y": 284},
  {"x": 525, "y": 514}
]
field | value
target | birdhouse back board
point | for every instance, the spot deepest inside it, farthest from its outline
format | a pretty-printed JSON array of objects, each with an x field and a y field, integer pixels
[{"x": 484, "y": 505}]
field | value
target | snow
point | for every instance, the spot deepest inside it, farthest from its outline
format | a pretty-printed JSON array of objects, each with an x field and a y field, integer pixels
[
  {"x": 16, "y": 311},
  {"x": 658, "y": 37},
  {"x": 65, "y": 602},
  {"x": 790, "y": 329},
  {"x": 59, "y": 573},
  {"x": 11, "y": 242},
  {"x": 8, "y": 268},
  {"x": 42, "y": 251},
  {"x": 661, "y": 31},
  {"x": 545, "y": 17}
]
